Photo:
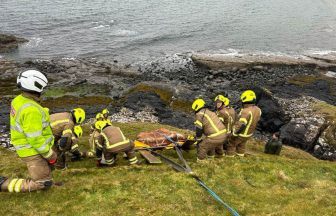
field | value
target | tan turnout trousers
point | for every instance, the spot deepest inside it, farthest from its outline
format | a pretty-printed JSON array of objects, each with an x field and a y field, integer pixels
[{"x": 40, "y": 176}]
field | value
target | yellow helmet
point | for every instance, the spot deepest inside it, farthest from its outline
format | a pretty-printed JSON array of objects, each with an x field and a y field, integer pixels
[
  {"x": 99, "y": 117},
  {"x": 99, "y": 125},
  {"x": 79, "y": 115},
  {"x": 78, "y": 131},
  {"x": 198, "y": 104},
  {"x": 248, "y": 96},
  {"x": 223, "y": 99},
  {"x": 105, "y": 112}
]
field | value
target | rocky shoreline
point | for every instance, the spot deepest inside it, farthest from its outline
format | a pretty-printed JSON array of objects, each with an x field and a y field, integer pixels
[{"x": 297, "y": 95}]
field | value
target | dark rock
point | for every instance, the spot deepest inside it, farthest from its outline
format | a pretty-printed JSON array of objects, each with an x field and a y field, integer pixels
[
  {"x": 302, "y": 132},
  {"x": 139, "y": 100},
  {"x": 10, "y": 42}
]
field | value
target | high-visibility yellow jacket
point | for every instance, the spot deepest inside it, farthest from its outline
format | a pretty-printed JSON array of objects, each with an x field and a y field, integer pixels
[{"x": 30, "y": 127}]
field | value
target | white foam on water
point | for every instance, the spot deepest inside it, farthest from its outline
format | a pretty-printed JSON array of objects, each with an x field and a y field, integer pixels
[
  {"x": 1, "y": 56},
  {"x": 33, "y": 42},
  {"x": 322, "y": 52},
  {"x": 124, "y": 33},
  {"x": 100, "y": 27}
]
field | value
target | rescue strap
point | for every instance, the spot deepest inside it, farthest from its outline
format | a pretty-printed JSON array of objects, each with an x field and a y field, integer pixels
[
  {"x": 186, "y": 169},
  {"x": 150, "y": 148}
]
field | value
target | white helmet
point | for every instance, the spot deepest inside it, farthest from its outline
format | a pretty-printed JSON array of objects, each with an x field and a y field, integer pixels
[{"x": 32, "y": 81}]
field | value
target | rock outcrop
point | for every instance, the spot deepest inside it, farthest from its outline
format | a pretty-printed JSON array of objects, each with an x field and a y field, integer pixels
[
  {"x": 163, "y": 89},
  {"x": 10, "y": 42}
]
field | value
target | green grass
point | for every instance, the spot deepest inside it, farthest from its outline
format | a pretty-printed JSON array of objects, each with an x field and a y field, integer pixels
[{"x": 292, "y": 184}]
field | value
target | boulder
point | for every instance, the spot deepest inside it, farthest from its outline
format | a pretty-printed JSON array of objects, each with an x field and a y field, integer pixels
[
  {"x": 326, "y": 145},
  {"x": 10, "y": 42},
  {"x": 302, "y": 132},
  {"x": 273, "y": 116}
]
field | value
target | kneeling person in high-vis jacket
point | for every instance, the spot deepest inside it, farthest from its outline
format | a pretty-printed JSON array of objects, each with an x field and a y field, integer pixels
[
  {"x": 110, "y": 142},
  {"x": 31, "y": 135},
  {"x": 210, "y": 131}
]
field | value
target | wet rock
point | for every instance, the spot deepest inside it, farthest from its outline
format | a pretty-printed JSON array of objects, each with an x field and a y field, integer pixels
[
  {"x": 10, "y": 42},
  {"x": 302, "y": 132}
]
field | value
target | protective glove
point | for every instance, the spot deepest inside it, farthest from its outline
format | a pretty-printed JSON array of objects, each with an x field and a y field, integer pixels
[
  {"x": 62, "y": 143},
  {"x": 52, "y": 160},
  {"x": 191, "y": 138}
]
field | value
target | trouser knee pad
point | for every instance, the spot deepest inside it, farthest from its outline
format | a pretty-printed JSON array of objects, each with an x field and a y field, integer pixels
[
  {"x": 47, "y": 184},
  {"x": 2, "y": 180}
]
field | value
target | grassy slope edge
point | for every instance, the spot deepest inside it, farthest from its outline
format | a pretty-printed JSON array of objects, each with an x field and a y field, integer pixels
[{"x": 293, "y": 184}]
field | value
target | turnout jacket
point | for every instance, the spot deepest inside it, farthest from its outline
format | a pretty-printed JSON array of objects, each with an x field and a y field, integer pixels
[
  {"x": 62, "y": 125},
  {"x": 111, "y": 139},
  {"x": 208, "y": 124},
  {"x": 30, "y": 127},
  {"x": 228, "y": 116},
  {"x": 248, "y": 118}
]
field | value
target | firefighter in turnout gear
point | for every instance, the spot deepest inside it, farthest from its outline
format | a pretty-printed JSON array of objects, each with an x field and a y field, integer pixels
[
  {"x": 244, "y": 128},
  {"x": 210, "y": 131},
  {"x": 76, "y": 153},
  {"x": 110, "y": 142},
  {"x": 31, "y": 135},
  {"x": 225, "y": 113},
  {"x": 105, "y": 114},
  {"x": 62, "y": 125}
]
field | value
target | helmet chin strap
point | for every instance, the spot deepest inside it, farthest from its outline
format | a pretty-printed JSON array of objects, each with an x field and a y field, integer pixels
[{"x": 219, "y": 108}]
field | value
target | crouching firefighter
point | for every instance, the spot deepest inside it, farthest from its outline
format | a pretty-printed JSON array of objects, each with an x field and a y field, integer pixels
[
  {"x": 110, "y": 142},
  {"x": 210, "y": 131},
  {"x": 244, "y": 128},
  {"x": 31, "y": 135},
  {"x": 62, "y": 125},
  {"x": 74, "y": 149}
]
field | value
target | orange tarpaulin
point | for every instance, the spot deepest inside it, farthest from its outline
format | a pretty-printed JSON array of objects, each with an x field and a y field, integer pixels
[{"x": 156, "y": 138}]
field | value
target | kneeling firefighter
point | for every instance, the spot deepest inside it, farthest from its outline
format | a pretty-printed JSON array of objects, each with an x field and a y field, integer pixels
[
  {"x": 110, "y": 142},
  {"x": 210, "y": 131},
  {"x": 74, "y": 149},
  {"x": 62, "y": 125},
  {"x": 244, "y": 128},
  {"x": 31, "y": 135}
]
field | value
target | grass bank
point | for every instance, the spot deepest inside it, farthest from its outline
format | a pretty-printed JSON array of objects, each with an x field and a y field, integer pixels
[{"x": 294, "y": 183}]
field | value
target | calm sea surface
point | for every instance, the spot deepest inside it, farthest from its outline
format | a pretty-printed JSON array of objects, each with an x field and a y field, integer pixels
[{"x": 140, "y": 29}]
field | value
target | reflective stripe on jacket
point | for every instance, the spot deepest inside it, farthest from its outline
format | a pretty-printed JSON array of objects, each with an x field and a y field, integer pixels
[
  {"x": 114, "y": 140},
  {"x": 62, "y": 125},
  {"x": 228, "y": 116},
  {"x": 31, "y": 133},
  {"x": 250, "y": 117},
  {"x": 210, "y": 123}
]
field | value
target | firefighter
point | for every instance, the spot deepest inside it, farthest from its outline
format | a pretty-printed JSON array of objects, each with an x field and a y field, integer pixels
[
  {"x": 74, "y": 150},
  {"x": 225, "y": 113},
  {"x": 31, "y": 135},
  {"x": 100, "y": 117},
  {"x": 244, "y": 128},
  {"x": 110, "y": 142},
  {"x": 105, "y": 114},
  {"x": 210, "y": 131},
  {"x": 62, "y": 125}
]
